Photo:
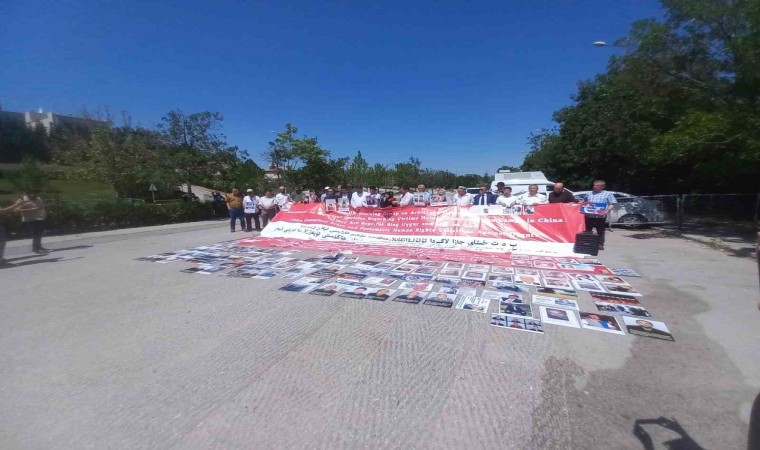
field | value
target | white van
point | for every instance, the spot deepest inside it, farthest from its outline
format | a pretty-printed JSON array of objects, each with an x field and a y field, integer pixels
[{"x": 519, "y": 181}]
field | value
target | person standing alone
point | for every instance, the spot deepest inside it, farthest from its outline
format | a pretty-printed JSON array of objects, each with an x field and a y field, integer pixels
[
  {"x": 235, "y": 204},
  {"x": 598, "y": 221},
  {"x": 32, "y": 209},
  {"x": 3, "y": 235}
]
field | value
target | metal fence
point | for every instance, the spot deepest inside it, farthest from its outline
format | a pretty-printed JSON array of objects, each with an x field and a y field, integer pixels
[{"x": 685, "y": 210}]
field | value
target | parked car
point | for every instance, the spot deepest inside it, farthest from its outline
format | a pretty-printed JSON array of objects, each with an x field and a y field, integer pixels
[{"x": 631, "y": 210}]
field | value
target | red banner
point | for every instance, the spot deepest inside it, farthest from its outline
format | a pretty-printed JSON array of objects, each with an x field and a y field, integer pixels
[{"x": 549, "y": 230}]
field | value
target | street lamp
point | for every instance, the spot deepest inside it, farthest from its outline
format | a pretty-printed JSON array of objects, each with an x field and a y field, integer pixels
[{"x": 604, "y": 44}]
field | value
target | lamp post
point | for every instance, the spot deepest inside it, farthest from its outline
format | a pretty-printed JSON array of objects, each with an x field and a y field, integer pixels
[{"x": 604, "y": 44}]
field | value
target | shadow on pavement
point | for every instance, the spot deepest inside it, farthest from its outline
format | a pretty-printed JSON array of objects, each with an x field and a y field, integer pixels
[
  {"x": 682, "y": 442},
  {"x": 9, "y": 264},
  {"x": 76, "y": 247}
]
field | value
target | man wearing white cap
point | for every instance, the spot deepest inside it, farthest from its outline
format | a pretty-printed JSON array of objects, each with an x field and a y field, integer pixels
[
  {"x": 251, "y": 210},
  {"x": 324, "y": 194}
]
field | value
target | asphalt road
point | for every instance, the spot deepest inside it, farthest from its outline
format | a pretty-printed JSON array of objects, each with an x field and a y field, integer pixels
[{"x": 98, "y": 350}]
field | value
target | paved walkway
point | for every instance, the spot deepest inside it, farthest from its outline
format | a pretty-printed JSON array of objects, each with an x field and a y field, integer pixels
[{"x": 99, "y": 350}]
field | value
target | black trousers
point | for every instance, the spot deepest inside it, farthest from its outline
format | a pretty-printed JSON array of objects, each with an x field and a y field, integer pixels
[
  {"x": 598, "y": 224},
  {"x": 37, "y": 227},
  {"x": 267, "y": 215},
  {"x": 255, "y": 217}
]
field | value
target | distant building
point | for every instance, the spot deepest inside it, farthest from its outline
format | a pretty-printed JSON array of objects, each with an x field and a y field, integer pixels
[
  {"x": 50, "y": 120},
  {"x": 273, "y": 172}
]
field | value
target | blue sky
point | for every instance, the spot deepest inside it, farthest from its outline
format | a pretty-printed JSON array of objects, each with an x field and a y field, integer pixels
[{"x": 459, "y": 85}]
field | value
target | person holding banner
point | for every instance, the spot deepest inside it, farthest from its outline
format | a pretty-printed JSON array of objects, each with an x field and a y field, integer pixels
[
  {"x": 373, "y": 198},
  {"x": 505, "y": 199},
  {"x": 406, "y": 198},
  {"x": 606, "y": 201},
  {"x": 359, "y": 198},
  {"x": 268, "y": 208},
  {"x": 532, "y": 197},
  {"x": 311, "y": 197},
  {"x": 388, "y": 200},
  {"x": 485, "y": 197},
  {"x": 462, "y": 197},
  {"x": 281, "y": 198},
  {"x": 422, "y": 196}
]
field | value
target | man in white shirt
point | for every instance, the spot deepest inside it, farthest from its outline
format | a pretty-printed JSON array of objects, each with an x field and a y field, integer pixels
[
  {"x": 251, "y": 210},
  {"x": 267, "y": 207},
  {"x": 406, "y": 198},
  {"x": 359, "y": 198},
  {"x": 282, "y": 197},
  {"x": 533, "y": 197},
  {"x": 506, "y": 199},
  {"x": 462, "y": 197}
]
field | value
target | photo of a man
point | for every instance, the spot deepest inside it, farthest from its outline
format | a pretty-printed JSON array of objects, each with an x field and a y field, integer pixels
[{"x": 648, "y": 328}]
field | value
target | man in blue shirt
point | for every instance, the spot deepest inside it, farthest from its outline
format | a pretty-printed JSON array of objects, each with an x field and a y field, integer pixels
[{"x": 598, "y": 221}]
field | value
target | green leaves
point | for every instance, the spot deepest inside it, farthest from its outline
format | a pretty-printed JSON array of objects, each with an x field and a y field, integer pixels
[{"x": 678, "y": 112}]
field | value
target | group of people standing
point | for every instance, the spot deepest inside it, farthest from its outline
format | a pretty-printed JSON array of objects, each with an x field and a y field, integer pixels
[
  {"x": 250, "y": 209},
  {"x": 260, "y": 210},
  {"x": 32, "y": 210}
]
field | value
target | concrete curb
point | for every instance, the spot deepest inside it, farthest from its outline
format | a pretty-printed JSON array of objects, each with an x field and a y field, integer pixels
[{"x": 185, "y": 226}]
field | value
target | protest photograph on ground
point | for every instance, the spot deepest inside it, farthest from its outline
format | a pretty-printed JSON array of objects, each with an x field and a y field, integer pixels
[
  {"x": 302, "y": 285},
  {"x": 472, "y": 303},
  {"x": 627, "y": 310},
  {"x": 528, "y": 280},
  {"x": 624, "y": 272},
  {"x": 357, "y": 292},
  {"x": 558, "y": 302},
  {"x": 647, "y": 328},
  {"x": 515, "y": 323},
  {"x": 589, "y": 286},
  {"x": 415, "y": 286},
  {"x": 413, "y": 297},
  {"x": 474, "y": 275},
  {"x": 614, "y": 298},
  {"x": 525, "y": 271},
  {"x": 440, "y": 299},
  {"x": 452, "y": 273},
  {"x": 554, "y": 274},
  {"x": 600, "y": 322},
  {"x": 559, "y": 316},
  {"x": 516, "y": 309},
  {"x": 380, "y": 294},
  {"x": 325, "y": 290},
  {"x": 624, "y": 289},
  {"x": 559, "y": 283},
  {"x": 501, "y": 278}
]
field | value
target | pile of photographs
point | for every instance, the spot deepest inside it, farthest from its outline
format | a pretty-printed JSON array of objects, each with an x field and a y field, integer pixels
[{"x": 530, "y": 292}]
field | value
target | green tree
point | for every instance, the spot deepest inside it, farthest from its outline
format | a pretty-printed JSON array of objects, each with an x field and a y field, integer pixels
[
  {"x": 29, "y": 178},
  {"x": 197, "y": 150},
  {"x": 17, "y": 140},
  {"x": 358, "y": 171},
  {"x": 677, "y": 112}
]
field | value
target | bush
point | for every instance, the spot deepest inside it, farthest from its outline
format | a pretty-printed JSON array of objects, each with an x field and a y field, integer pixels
[{"x": 65, "y": 218}]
